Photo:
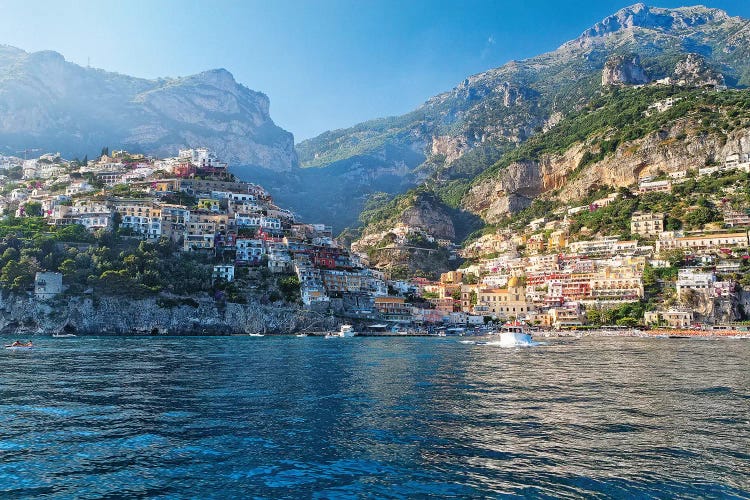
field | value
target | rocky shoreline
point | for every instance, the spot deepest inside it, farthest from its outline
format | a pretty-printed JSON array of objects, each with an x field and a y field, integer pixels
[{"x": 112, "y": 315}]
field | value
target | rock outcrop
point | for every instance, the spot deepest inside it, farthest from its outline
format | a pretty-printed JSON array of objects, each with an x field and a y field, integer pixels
[
  {"x": 624, "y": 70},
  {"x": 558, "y": 176},
  {"x": 694, "y": 71},
  {"x": 427, "y": 216},
  {"x": 114, "y": 316},
  {"x": 50, "y": 103}
]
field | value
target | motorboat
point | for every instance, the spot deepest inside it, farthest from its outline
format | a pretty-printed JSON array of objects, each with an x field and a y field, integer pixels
[
  {"x": 301, "y": 335},
  {"x": 514, "y": 335},
  {"x": 64, "y": 335},
  {"x": 346, "y": 331},
  {"x": 256, "y": 335}
]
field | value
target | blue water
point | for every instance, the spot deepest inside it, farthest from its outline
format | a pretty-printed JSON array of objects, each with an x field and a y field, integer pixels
[{"x": 295, "y": 417}]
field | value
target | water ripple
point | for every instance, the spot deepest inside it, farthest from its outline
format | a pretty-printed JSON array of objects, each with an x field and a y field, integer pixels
[{"x": 374, "y": 418}]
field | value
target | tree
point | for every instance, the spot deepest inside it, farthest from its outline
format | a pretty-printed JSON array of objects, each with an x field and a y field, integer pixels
[
  {"x": 675, "y": 257},
  {"x": 470, "y": 279},
  {"x": 33, "y": 209},
  {"x": 290, "y": 288},
  {"x": 593, "y": 316}
]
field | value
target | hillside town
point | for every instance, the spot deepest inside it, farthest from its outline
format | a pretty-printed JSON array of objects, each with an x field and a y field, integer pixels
[
  {"x": 552, "y": 272},
  {"x": 193, "y": 200}
]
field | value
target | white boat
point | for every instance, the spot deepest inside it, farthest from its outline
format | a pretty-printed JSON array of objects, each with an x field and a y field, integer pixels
[
  {"x": 346, "y": 331},
  {"x": 301, "y": 335},
  {"x": 514, "y": 335},
  {"x": 256, "y": 335},
  {"x": 63, "y": 335}
]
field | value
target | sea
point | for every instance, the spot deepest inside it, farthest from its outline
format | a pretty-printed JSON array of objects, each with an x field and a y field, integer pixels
[{"x": 307, "y": 417}]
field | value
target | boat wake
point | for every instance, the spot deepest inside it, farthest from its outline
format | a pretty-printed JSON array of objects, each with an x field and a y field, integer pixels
[{"x": 502, "y": 343}]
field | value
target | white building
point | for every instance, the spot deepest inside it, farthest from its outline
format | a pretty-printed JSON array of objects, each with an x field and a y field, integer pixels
[
  {"x": 250, "y": 250},
  {"x": 223, "y": 272}
]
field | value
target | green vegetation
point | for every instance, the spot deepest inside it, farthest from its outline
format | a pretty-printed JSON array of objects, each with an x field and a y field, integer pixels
[
  {"x": 290, "y": 288},
  {"x": 629, "y": 314},
  {"x": 620, "y": 115},
  {"x": 101, "y": 262}
]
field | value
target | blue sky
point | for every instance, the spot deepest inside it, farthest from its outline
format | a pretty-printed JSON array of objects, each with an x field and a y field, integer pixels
[{"x": 325, "y": 64}]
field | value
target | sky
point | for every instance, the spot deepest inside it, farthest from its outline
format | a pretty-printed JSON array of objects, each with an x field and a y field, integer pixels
[{"x": 325, "y": 64}]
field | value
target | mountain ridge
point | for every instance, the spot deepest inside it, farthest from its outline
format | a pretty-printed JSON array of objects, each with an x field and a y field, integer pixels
[
  {"x": 48, "y": 101},
  {"x": 456, "y": 135}
]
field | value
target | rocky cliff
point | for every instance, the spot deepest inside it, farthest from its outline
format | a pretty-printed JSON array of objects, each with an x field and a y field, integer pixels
[
  {"x": 624, "y": 70},
  {"x": 407, "y": 240},
  {"x": 112, "y": 316},
  {"x": 50, "y": 103},
  {"x": 673, "y": 148},
  {"x": 694, "y": 71}
]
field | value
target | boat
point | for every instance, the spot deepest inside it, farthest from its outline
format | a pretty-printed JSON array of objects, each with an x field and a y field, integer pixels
[
  {"x": 514, "y": 335},
  {"x": 256, "y": 334},
  {"x": 20, "y": 346},
  {"x": 301, "y": 335},
  {"x": 63, "y": 335},
  {"x": 346, "y": 331}
]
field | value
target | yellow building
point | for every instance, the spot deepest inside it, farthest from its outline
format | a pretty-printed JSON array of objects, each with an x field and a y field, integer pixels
[
  {"x": 504, "y": 302},
  {"x": 452, "y": 277}
]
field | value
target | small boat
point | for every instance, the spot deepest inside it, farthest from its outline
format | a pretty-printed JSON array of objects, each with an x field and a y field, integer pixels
[
  {"x": 514, "y": 335},
  {"x": 301, "y": 335},
  {"x": 19, "y": 346},
  {"x": 256, "y": 335},
  {"x": 64, "y": 335}
]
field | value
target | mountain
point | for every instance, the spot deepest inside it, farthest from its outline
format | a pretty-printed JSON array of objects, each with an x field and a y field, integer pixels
[
  {"x": 50, "y": 103},
  {"x": 457, "y": 135}
]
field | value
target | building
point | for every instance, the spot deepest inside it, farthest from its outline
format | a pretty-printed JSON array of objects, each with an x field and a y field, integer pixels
[
  {"x": 92, "y": 216},
  {"x": 47, "y": 285},
  {"x": 672, "y": 318},
  {"x": 393, "y": 308},
  {"x": 249, "y": 251},
  {"x": 504, "y": 303},
  {"x": 78, "y": 188},
  {"x": 452, "y": 277},
  {"x": 279, "y": 262},
  {"x": 734, "y": 218},
  {"x": 141, "y": 217},
  {"x": 655, "y": 187},
  {"x": 647, "y": 224},
  {"x": 701, "y": 242},
  {"x": 565, "y": 316},
  {"x": 223, "y": 272}
]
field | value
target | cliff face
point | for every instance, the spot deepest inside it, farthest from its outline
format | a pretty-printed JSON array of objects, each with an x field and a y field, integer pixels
[
  {"x": 48, "y": 102},
  {"x": 624, "y": 70},
  {"x": 111, "y": 315},
  {"x": 427, "y": 216},
  {"x": 694, "y": 71},
  {"x": 424, "y": 217},
  {"x": 559, "y": 176}
]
